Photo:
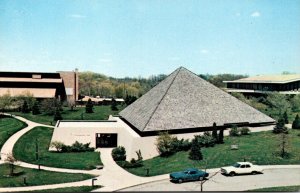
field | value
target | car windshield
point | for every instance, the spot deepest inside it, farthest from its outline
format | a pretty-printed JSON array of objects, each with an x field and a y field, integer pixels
[{"x": 237, "y": 165}]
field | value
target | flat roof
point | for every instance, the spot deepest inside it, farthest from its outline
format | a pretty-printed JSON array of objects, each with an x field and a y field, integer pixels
[
  {"x": 44, "y": 80},
  {"x": 278, "y": 79},
  {"x": 85, "y": 123}
]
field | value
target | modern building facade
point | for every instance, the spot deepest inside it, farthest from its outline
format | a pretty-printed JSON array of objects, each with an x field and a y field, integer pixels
[
  {"x": 41, "y": 85},
  {"x": 285, "y": 84},
  {"x": 182, "y": 104}
]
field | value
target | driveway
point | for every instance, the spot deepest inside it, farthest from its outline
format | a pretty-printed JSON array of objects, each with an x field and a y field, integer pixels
[{"x": 270, "y": 178}]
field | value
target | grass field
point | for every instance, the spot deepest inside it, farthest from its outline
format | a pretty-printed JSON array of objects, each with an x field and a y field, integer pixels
[
  {"x": 100, "y": 113},
  {"x": 69, "y": 189},
  {"x": 9, "y": 126},
  {"x": 25, "y": 147},
  {"x": 278, "y": 189},
  {"x": 35, "y": 177},
  {"x": 259, "y": 148}
]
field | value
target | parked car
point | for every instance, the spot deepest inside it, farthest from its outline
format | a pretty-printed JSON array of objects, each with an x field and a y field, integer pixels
[
  {"x": 189, "y": 174},
  {"x": 241, "y": 168}
]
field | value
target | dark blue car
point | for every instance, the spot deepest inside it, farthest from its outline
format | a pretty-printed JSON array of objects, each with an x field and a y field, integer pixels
[{"x": 190, "y": 174}]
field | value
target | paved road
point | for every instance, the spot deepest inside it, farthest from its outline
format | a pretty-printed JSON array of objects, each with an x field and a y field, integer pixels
[{"x": 270, "y": 178}]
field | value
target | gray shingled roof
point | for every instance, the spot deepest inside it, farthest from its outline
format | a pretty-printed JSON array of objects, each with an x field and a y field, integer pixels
[{"x": 184, "y": 100}]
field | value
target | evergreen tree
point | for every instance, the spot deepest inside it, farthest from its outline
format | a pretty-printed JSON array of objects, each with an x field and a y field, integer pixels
[
  {"x": 221, "y": 136},
  {"x": 280, "y": 126},
  {"x": 57, "y": 115},
  {"x": 36, "y": 108},
  {"x": 285, "y": 117},
  {"x": 25, "y": 108},
  {"x": 215, "y": 133},
  {"x": 195, "y": 153},
  {"x": 114, "y": 105},
  {"x": 296, "y": 123},
  {"x": 89, "y": 107}
]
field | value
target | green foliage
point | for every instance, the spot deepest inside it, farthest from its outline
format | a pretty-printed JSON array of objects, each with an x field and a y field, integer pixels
[
  {"x": 165, "y": 144},
  {"x": 285, "y": 117},
  {"x": 49, "y": 106},
  {"x": 280, "y": 126},
  {"x": 278, "y": 103},
  {"x": 130, "y": 99},
  {"x": 36, "y": 108},
  {"x": 57, "y": 145},
  {"x": 134, "y": 163},
  {"x": 25, "y": 108},
  {"x": 217, "y": 80},
  {"x": 114, "y": 105},
  {"x": 195, "y": 153},
  {"x": 205, "y": 140},
  {"x": 180, "y": 145},
  {"x": 221, "y": 136},
  {"x": 119, "y": 153},
  {"x": 215, "y": 133},
  {"x": 77, "y": 147},
  {"x": 57, "y": 115},
  {"x": 245, "y": 131},
  {"x": 295, "y": 103},
  {"x": 89, "y": 106},
  {"x": 296, "y": 122},
  {"x": 234, "y": 131}
]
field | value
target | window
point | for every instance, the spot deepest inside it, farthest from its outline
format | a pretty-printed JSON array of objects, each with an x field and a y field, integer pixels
[
  {"x": 193, "y": 172},
  {"x": 243, "y": 166},
  {"x": 247, "y": 166}
]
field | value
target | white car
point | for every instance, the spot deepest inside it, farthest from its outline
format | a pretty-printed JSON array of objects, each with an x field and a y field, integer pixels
[{"x": 241, "y": 168}]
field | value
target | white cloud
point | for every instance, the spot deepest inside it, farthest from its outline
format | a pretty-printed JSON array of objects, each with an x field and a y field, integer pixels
[
  {"x": 77, "y": 16},
  {"x": 204, "y": 51},
  {"x": 255, "y": 14}
]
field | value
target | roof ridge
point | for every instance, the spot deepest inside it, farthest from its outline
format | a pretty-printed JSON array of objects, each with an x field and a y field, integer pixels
[{"x": 161, "y": 99}]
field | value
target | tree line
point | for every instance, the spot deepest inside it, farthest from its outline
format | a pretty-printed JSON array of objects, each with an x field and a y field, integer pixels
[{"x": 95, "y": 84}]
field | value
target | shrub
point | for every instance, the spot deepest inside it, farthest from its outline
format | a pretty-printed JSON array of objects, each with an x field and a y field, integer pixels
[
  {"x": 234, "y": 131},
  {"x": 77, "y": 147},
  {"x": 296, "y": 122},
  {"x": 285, "y": 117},
  {"x": 114, "y": 105},
  {"x": 36, "y": 108},
  {"x": 119, "y": 153},
  {"x": 165, "y": 144},
  {"x": 57, "y": 115},
  {"x": 180, "y": 145},
  {"x": 221, "y": 136},
  {"x": 245, "y": 131},
  {"x": 89, "y": 107},
  {"x": 280, "y": 126},
  {"x": 195, "y": 153},
  {"x": 57, "y": 145},
  {"x": 215, "y": 133},
  {"x": 205, "y": 140},
  {"x": 25, "y": 108}
]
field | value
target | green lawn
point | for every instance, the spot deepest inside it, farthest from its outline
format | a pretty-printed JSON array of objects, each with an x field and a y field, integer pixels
[
  {"x": 35, "y": 177},
  {"x": 25, "y": 148},
  {"x": 69, "y": 189},
  {"x": 259, "y": 148},
  {"x": 100, "y": 113},
  {"x": 9, "y": 126},
  {"x": 278, "y": 189}
]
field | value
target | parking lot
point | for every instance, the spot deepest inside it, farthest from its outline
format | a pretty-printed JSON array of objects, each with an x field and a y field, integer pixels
[{"x": 270, "y": 178}]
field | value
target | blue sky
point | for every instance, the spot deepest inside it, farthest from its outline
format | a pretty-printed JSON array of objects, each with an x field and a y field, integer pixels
[{"x": 145, "y": 37}]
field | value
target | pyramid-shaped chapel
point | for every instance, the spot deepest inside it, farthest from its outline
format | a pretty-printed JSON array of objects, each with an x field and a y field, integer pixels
[{"x": 183, "y": 100}]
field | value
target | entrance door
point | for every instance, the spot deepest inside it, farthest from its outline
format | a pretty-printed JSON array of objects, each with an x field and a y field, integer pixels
[{"x": 106, "y": 140}]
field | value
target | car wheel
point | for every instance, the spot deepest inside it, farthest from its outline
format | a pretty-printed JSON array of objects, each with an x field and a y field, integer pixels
[
  {"x": 254, "y": 172},
  {"x": 231, "y": 174},
  {"x": 180, "y": 181},
  {"x": 201, "y": 178}
]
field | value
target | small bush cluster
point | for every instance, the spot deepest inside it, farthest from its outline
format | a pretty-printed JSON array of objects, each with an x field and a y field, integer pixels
[
  {"x": 205, "y": 140},
  {"x": 167, "y": 144},
  {"x": 296, "y": 123},
  {"x": 235, "y": 131},
  {"x": 195, "y": 153},
  {"x": 119, "y": 153},
  {"x": 77, "y": 147},
  {"x": 280, "y": 126}
]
